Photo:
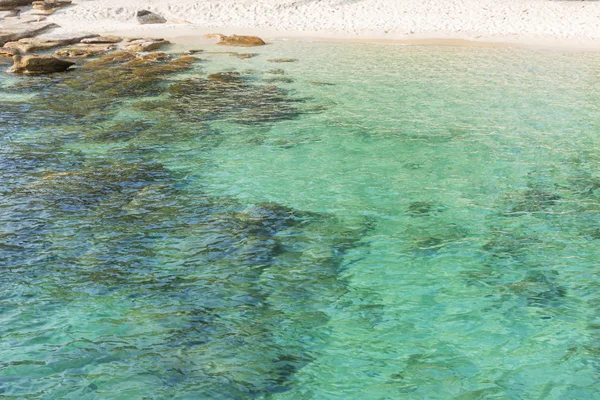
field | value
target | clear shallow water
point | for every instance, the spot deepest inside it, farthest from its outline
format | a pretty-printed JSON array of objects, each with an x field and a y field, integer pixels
[{"x": 404, "y": 222}]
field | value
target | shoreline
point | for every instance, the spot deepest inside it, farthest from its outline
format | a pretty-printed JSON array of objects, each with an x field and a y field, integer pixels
[
  {"x": 193, "y": 35},
  {"x": 563, "y": 25},
  {"x": 534, "y": 24}
]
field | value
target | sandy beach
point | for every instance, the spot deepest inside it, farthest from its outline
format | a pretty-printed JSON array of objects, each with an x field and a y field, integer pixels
[{"x": 520, "y": 21}]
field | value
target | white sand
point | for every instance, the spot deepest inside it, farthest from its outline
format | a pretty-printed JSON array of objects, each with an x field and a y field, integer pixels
[{"x": 568, "y": 21}]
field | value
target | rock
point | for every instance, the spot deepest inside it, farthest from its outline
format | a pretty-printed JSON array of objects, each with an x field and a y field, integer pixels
[
  {"x": 276, "y": 71},
  {"x": 244, "y": 56},
  {"x": 146, "y": 17},
  {"x": 44, "y": 43},
  {"x": 83, "y": 51},
  {"x": 237, "y": 40},
  {"x": 10, "y": 4},
  {"x": 39, "y": 65},
  {"x": 118, "y": 57},
  {"x": 185, "y": 61},
  {"x": 10, "y": 32},
  {"x": 7, "y": 52},
  {"x": 154, "y": 57},
  {"x": 142, "y": 45},
  {"x": 282, "y": 60},
  {"x": 193, "y": 51},
  {"x": 278, "y": 79},
  {"x": 47, "y": 7},
  {"x": 319, "y": 83},
  {"x": 103, "y": 40},
  {"x": 225, "y": 77}
]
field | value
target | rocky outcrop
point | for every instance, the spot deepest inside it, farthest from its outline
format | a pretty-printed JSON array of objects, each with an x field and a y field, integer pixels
[
  {"x": 145, "y": 17},
  {"x": 39, "y": 65},
  {"x": 47, "y": 7},
  {"x": 10, "y": 4},
  {"x": 83, "y": 51},
  {"x": 142, "y": 45},
  {"x": 10, "y": 32},
  {"x": 45, "y": 43},
  {"x": 236, "y": 40},
  {"x": 103, "y": 40},
  {"x": 4, "y": 52}
]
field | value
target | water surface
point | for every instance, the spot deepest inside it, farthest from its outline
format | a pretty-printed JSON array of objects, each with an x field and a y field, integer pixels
[{"x": 369, "y": 222}]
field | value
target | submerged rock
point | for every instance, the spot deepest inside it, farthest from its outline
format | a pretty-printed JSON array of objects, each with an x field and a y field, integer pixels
[
  {"x": 39, "y": 65},
  {"x": 319, "y": 83},
  {"x": 225, "y": 95},
  {"x": 226, "y": 77},
  {"x": 282, "y": 60},
  {"x": 278, "y": 79},
  {"x": 533, "y": 201},
  {"x": 118, "y": 57},
  {"x": 147, "y": 17},
  {"x": 423, "y": 208}
]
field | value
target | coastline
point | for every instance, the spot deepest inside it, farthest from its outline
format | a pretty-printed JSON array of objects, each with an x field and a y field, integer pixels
[
  {"x": 540, "y": 24},
  {"x": 570, "y": 25},
  {"x": 193, "y": 35}
]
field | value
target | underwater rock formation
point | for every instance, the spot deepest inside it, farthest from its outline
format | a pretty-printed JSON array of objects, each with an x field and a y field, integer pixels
[
  {"x": 282, "y": 60},
  {"x": 225, "y": 95}
]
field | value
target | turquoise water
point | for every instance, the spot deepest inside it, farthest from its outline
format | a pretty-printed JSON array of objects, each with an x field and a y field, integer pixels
[{"x": 372, "y": 222}]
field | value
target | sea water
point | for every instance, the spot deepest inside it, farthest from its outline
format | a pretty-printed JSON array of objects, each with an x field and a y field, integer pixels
[{"x": 370, "y": 221}]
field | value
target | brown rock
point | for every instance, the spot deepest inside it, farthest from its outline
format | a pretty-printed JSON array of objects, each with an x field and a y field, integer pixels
[
  {"x": 83, "y": 51},
  {"x": 282, "y": 60},
  {"x": 245, "y": 56},
  {"x": 142, "y": 45},
  {"x": 39, "y": 65},
  {"x": 103, "y": 40},
  {"x": 47, "y": 7},
  {"x": 156, "y": 56},
  {"x": 4, "y": 52},
  {"x": 225, "y": 77},
  {"x": 238, "y": 40},
  {"x": 188, "y": 60},
  {"x": 10, "y": 4},
  {"x": 118, "y": 57}
]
